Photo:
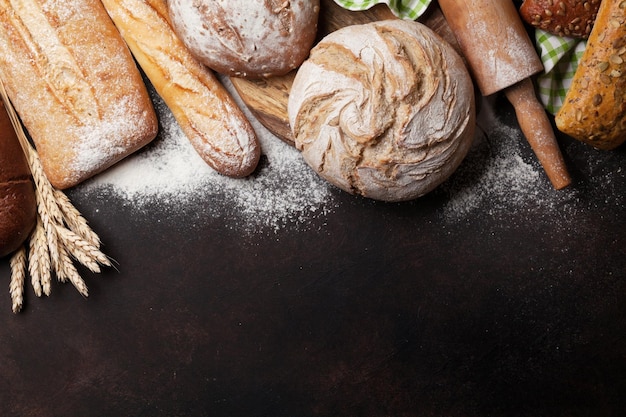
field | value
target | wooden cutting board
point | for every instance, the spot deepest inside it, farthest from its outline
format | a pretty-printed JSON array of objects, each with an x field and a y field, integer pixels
[{"x": 267, "y": 99}]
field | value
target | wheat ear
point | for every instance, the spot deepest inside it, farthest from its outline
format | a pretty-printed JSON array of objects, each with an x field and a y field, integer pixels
[
  {"x": 18, "y": 276},
  {"x": 60, "y": 235}
]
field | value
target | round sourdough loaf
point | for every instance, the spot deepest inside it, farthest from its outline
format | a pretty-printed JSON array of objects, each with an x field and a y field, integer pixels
[
  {"x": 248, "y": 39},
  {"x": 385, "y": 110}
]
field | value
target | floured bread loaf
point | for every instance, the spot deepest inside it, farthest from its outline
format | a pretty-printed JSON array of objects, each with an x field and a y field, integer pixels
[
  {"x": 248, "y": 39},
  {"x": 75, "y": 86},
  {"x": 385, "y": 110}
]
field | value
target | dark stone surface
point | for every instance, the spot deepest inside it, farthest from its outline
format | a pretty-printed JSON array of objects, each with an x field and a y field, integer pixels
[{"x": 375, "y": 310}]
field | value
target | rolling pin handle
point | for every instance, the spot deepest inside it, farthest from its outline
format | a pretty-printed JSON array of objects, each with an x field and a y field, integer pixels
[{"x": 538, "y": 131}]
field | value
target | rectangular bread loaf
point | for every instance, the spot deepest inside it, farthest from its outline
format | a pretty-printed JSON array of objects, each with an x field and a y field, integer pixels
[
  {"x": 75, "y": 86},
  {"x": 594, "y": 110}
]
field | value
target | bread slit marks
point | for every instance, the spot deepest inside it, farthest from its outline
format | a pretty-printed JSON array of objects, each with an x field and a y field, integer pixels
[{"x": 54, "y": 60}]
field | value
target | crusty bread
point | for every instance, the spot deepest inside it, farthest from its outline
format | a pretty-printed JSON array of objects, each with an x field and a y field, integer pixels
[
  {"x": 594, "y": 110},
  {"x": 571, "y": 18},
  {"x": 75, "y": 86},
  {"x": 243, "y": 38},
  {"x": 18, "y": 207},
  {"x": 205, "y": 111},
  {"x": 385, "y": 110}
]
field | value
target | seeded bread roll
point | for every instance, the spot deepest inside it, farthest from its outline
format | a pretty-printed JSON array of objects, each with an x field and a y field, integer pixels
[
  {"x": 571, "y": 18},
  {"x": 594, "y": 110},
  {"x": 18, "y": 208},
  {"x": 205, "y": 111},
  {"x": 75, "y": 86},
  {"x": 385, "y": 110},
  {"x": 248, "y": 39}
]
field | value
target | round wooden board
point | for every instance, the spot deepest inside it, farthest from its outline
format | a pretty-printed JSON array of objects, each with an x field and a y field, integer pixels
[{"x": 267, "y": 98}]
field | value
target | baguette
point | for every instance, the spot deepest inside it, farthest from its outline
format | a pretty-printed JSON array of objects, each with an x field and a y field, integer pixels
[
  {"x": 205, "y": 111},
  {"x": 594, "y": 110},
  {"x": 75, "y": 86},
  {"x": 18, "y": 207}
]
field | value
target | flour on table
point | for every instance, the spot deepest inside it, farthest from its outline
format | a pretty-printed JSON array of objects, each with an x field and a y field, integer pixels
[
  {"x": 501, "y": 177},
  {"x": 170, "y": 175}
]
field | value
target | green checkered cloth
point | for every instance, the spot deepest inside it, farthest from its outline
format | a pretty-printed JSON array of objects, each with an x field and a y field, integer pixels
[
  {"x": 404, "y": 9},
  {"x": 560, "y": 57}
]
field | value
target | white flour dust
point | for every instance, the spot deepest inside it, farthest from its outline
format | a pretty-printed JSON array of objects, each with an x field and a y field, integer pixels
[
  {"x": 498, "y": 177},
  {"x": 170, "y": 175},
  {"x": 501, "y": 177}
]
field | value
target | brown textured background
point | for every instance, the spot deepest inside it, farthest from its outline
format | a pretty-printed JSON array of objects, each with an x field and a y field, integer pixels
[{"x": 375, "y": 310}]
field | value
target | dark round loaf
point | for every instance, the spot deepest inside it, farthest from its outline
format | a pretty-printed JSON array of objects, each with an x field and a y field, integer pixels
[
  {"x": 247, "y": 39},
  {"x": 18, "y": 209},
  {"x": 570, "y": 18}
]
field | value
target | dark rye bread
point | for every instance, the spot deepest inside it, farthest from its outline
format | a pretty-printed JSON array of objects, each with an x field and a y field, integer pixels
[{"x": 18, "y": 208}]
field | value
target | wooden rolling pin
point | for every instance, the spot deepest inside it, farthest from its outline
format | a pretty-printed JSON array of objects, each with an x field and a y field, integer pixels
[{"x": 501, "y": 57}]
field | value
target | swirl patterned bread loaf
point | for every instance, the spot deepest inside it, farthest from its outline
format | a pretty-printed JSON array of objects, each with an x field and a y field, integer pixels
[
  {"x": 385, "y": 110},
  {"x": 243, "y": 38},
  {"x": 17, "y": 193},
  {"x": 75, "y": 86}
]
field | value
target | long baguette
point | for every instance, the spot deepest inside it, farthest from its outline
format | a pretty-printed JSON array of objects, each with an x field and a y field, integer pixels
[
  {"x": 205, "y": 111},
  {"x": 75, "y": 86},
  {"x": 594, "y": 110}
]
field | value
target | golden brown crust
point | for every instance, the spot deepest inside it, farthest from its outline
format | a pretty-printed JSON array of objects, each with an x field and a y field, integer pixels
[
  {"x": 205, "y": 111},
  {"x": 571, "y": 18},
  {"x": 594, "y": 110},
  {"x": 17, "y": 193},
  {"x": 75, "y": 85}
]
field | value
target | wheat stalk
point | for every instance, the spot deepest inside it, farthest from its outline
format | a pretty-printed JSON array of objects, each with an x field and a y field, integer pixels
[
  {"x": 39, "y": 266},
  {"x": 18, "y": 276},
  {"x": 60, "y": 235}
]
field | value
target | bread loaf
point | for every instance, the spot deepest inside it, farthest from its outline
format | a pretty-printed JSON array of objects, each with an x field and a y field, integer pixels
[
  {"x": 594, "y": 110},
  {"x": 75, "y": 86},
  {"x": 205, "y": 111},
  {"x": 570, "y": 18},
  {"x": 18, "y": 209},
  {"x": 243, "y": 38},
  {"x": 385, "y": 109}
]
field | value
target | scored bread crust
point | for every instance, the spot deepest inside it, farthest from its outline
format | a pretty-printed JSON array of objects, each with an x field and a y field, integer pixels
[
  {"x": 244, "y": 38},
  {"x": 594, "y": 110},
  {"x": 385, "y": 109},
  {"x": 203, "y": 108},
  {"x": 75, "y": 86}
]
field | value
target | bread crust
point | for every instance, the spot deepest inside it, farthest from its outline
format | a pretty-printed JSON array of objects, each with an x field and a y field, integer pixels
[
  {"x": 248, "y": 39},
  {"x": 18, "y": 209},
  {"x": 594, "y": 110},
  {"x": 570, "y": 18},
  {"x": 75, "y": 86},
  {"x": 205, "y": 111},
  {"x": 385, "y": 110}
]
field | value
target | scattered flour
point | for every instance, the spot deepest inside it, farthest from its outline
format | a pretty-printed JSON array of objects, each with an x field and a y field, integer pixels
[
  {"x": 498, "y": 177},
  {"x": 169, "y": 175},
  {"x": 501, "y": 177}
]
